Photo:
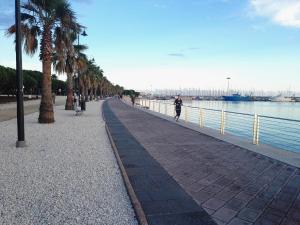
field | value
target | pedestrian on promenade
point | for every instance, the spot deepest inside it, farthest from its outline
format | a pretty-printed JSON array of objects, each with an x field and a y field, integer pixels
[
  {"x": 75, "y": 99},
  {"x": 53, "y": 97},
  {"x": 178, "y": 104},
  {"x": 132, "y": 96}
]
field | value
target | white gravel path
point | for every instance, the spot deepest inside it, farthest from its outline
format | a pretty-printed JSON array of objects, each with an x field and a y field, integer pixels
[{"x": 67, "y": 174}]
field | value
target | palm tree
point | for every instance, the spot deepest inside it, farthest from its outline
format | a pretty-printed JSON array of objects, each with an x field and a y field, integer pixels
[
  {"x": 97, "y": 80},
  {"x": 47, "y": 21},
  {"x": 70, "y": 60}
]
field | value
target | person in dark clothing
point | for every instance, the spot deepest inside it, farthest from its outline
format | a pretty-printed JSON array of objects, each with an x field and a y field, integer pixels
[
  {"x": 132, "y": 96},
  {"x": 178, "y": 104}
]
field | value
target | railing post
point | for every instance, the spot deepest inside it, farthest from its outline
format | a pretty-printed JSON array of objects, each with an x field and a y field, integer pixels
[
  {"x": 201, "y": 118},
  {"x": 256, "y": 130},
  {"x": 159, "y": 107},
  {"x": 166, "y": 109},
  {"x": 174, "y": 112},
  {"x": 222, "y": 128},
  {"x": 185, "y": 114}
]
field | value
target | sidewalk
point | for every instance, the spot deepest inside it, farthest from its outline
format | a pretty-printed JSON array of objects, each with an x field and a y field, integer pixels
[
  {"x": 234, "y": 185},
  {"x": 67, "y": 175}
]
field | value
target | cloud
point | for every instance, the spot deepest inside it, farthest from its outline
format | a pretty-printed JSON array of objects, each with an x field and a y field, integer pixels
[
  {"x": 283, "y": 12},
  {"x": 176, "y": 55}
]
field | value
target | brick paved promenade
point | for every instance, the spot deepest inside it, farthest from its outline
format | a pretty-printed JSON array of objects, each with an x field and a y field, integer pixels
[{"x": 234, "y": 185}]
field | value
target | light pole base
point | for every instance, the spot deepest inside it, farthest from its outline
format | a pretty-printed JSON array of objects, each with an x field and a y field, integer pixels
[{"x": 21, "y": 144}]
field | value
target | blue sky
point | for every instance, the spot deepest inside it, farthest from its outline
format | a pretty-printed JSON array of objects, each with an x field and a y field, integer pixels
[{"x": 186, "y": 43}]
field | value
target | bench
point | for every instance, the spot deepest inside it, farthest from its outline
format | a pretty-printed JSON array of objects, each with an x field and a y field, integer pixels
[{"x": 78, "y": 110}]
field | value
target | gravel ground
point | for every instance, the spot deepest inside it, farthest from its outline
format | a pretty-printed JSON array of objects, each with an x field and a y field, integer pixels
[{"x": 67, "y": 174}]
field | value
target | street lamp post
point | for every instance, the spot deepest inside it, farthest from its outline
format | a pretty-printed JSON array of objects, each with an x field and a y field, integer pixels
[
  {"x": 228, "y": 79},
  {"x": 20, "y": 104},
  {"x": 83, "y": 107}
]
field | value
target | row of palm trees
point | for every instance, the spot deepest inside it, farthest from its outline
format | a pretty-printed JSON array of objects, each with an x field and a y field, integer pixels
[{"x": 51, "y": 27}]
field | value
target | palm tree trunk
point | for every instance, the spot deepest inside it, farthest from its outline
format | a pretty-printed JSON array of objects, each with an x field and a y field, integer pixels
[
  {"x": 46, "y": 106},
  {"x": 69, "y": 101},
  {"x": 86, "y": 94}
]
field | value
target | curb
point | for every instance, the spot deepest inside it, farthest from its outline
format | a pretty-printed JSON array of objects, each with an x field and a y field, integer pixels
[{"x": 140, "y": 214}]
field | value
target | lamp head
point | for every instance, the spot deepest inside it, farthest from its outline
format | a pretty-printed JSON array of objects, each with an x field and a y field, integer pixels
[{"x": 84, "y": 33}]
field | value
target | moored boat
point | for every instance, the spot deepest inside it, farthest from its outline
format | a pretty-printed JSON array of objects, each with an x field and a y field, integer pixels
[
  {"x": 281, "y": 98},
  {"x": 236, "y": 97}
]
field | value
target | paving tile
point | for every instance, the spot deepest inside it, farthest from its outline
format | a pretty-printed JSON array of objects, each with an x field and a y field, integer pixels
[
  {"x": 224, "y": 214},
  {"x": 209, "y": 211},
  {"x": 213, "y": 203},
  {"x": 238, "y": 221},
  {"x": 219, "y": 222},
  {"x": 226, "y": 195},
  {"x": 202, "y": 196},
  {"x": 244, "y": 196},
  {"x": 223, "y": 181},
  {"x": 235, "y": 204},
  {"x": 196, "y": 218},
  {"x": 194, "y": 187},
  {"x": 290, "y": 222},
  {"x": 257, "y": 204},
  {"x": 213, "y": 188},
  {"x": 281, "y": 205},
  {"x": 265, "y": 221},
  {"x": 249, "y": 215},
  {"x": 294, "y": 214}
]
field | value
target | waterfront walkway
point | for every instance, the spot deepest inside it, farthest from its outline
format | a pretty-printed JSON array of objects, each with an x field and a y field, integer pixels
[
  {"x": 233, "y": 185},
  {"x": 67, "y": 175}
]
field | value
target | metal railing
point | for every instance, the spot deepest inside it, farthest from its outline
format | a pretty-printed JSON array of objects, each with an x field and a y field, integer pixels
[{"x": 274, "y": 131}]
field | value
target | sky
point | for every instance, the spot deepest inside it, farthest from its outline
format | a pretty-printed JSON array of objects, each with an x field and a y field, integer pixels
[{"x": 157, "y": 44}]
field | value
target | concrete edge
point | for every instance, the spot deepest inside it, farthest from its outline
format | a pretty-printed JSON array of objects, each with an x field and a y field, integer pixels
[
  {"x": 288, "y": 157},
  {"x": 140, "y": 214},
  {"x": 27, "y": 109}
]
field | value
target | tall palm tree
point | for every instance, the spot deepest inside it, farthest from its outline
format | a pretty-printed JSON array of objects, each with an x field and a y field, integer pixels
[
  {"x": 47, "y": 21},
  {"x": 69, "y": 60},
  {"x": 87, "y": 78},
  {"x": 97, "y": 80}
]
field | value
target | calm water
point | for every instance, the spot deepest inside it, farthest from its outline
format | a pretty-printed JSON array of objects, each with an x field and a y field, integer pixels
[
  {"x": 279, "y": 133},
  {"x": 290, "y": 110}
]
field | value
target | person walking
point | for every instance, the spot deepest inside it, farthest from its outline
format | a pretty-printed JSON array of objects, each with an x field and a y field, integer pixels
[
  {"x": 178, "y": 104},
  {"x": 132, "y": 96}
]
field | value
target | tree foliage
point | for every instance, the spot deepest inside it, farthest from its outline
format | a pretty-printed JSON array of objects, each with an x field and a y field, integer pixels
[{"x": 32, "y": 82}]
